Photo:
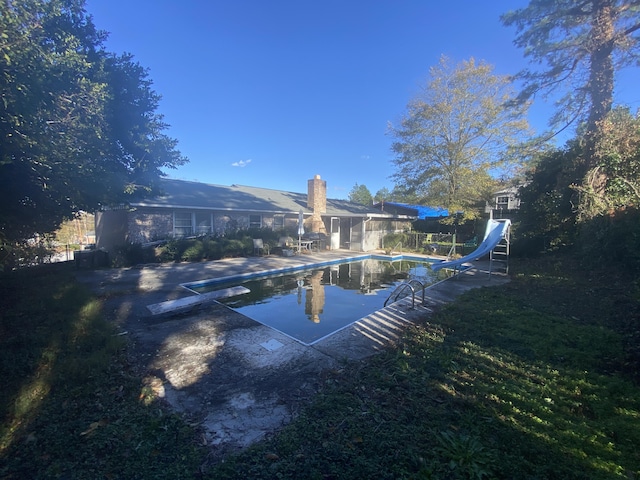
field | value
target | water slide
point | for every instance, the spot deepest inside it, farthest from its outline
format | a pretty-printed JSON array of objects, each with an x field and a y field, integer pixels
[{"x": 495, "y": 232}]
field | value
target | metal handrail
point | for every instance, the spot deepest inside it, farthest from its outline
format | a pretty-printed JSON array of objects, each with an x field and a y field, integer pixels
[
  {"x": 401, "y": 287},
  {"x": 398, "y": 289}
]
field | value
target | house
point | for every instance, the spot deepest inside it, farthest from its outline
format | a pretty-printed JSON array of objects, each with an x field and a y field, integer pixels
[
  {"x": 504, "y": 201},
  {"x": 191, "y": 208}
]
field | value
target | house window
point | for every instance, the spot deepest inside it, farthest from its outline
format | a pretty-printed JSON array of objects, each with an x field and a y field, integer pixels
[
  {"x": 502, "y": 202},
  {"x": 203, "y": 223},
  {"x": 278, "y": 222},
  {"x": 182, "y": 226},
  {"x": 255, "y": 221}
]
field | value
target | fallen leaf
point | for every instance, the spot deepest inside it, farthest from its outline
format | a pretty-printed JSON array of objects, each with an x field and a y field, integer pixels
[{"x": 94, "y": 426}]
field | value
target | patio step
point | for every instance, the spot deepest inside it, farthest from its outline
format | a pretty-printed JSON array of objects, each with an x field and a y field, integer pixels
[{"x": 188, "y": 302}]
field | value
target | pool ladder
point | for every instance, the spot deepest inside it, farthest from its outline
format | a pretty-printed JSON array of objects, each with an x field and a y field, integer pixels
[{"x": 403, "y": 286}]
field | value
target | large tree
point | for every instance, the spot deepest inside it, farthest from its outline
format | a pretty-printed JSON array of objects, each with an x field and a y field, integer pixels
[
  {"x": 576, "y": 47},
  {"x": 78, "y": 125},
  {"x": 457, "y": 135},
  {"x": 360, "y": 194}
]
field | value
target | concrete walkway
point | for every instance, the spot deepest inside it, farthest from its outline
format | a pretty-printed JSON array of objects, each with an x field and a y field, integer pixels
[{"x": 238, "y": 378}]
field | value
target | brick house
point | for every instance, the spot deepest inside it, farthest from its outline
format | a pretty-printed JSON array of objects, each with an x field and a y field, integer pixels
[{"x": 192, "y": 208}]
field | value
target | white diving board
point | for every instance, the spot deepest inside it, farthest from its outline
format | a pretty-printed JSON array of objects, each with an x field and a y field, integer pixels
[{"x": 187, "y": 302}]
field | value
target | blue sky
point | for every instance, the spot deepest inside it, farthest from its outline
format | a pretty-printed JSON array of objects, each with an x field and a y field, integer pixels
[{"x": 271, "y": 93}]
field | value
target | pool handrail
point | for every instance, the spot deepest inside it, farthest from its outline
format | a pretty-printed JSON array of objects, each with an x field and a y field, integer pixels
[{"x": 404, "y": 285}]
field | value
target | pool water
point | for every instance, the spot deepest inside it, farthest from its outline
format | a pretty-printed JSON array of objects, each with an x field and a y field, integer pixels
[{"x": 313, "y": 303}]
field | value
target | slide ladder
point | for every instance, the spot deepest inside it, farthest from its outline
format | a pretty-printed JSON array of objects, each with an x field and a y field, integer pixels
[{"x": 500, "y": 254}]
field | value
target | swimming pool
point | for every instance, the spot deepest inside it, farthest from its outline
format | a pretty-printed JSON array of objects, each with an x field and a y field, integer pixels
[{"x": 311, "y": 303}]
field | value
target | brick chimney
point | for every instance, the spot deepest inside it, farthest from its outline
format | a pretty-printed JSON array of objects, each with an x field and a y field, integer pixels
[
  {"x": 317, "y": 195},
  {"x": 317, "y": 203}
]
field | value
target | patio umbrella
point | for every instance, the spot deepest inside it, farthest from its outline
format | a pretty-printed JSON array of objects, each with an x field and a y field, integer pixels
[{"x": 300, "y": 228}]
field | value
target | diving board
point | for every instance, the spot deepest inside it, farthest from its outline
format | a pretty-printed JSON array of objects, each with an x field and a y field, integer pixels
[
  {"x": 188, "y": 302},
  {"x": 497, "y": 230}
]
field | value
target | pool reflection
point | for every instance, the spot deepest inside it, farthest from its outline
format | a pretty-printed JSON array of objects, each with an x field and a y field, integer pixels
[{"x": 311, "y": 304}]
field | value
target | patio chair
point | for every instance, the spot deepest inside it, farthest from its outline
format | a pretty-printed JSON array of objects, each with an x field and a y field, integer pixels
[
  {"x": 259, "y": 247},
  {"x": 472, "y": 242}
]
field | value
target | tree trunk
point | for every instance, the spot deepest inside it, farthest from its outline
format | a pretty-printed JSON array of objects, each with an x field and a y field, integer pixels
[{"x": 601, "y": 73}]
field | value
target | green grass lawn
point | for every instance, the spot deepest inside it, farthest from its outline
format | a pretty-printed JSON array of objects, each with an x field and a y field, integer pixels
[{"x": 536, "y": 379}]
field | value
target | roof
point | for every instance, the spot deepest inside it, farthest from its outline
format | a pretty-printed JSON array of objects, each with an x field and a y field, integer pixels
[
  {"x": 419, "y": 211},
  {"x": 507, "y": 190},
  {"x": 196, "y": 195}
]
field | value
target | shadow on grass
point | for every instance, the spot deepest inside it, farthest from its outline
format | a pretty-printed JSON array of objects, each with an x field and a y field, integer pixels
[{"x": 69, "y": 406}]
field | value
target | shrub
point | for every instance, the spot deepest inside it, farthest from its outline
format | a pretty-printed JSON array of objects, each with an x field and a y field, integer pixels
[
  {"x": 236, "y": 248},
  {"x": 194, "y": 252},
  {"x": 391, "y": 240},
  {"x": 133, "y": 254},
  {"x": 25, "y": 253},
  {"x": 210, "y": 247},
  {"x": 547, "y": 213},
  {"x": 614, "y": 237}
]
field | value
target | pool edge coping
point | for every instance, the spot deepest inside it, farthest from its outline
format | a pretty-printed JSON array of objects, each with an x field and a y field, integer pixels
[{"x": 302, "y": 266}]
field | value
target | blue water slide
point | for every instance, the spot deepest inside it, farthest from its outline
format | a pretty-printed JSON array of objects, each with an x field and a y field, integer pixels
[{"x": 495, "y": 232}]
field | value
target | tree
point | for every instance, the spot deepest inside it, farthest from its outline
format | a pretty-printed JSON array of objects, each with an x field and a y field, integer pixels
[
  {"x": 617, "y": 155},
  {"x": 558, "y": 211},
  {"x": 581, "y": 44},
  {"x": 404, "y": 194},
  {"x": 360, "y": 194},
  {"x": 456, "y": 135},
  {"x": 382, "y": 195},
  {"x": 79, "y": 126},
  {"x": 547, "y": 208}
]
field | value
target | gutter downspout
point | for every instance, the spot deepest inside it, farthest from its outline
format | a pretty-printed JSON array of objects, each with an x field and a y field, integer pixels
[{"x": 364, "y": 230}]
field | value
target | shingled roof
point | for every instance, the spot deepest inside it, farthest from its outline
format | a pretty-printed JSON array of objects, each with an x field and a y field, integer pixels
[{"x": 196, "y": 195}]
